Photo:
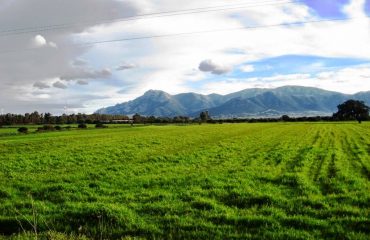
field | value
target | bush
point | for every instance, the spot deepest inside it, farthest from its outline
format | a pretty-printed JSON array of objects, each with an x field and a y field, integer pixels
[
  {"x": 82, "y": 126},
  {"x": 58, "y": 128},
  {"x": 46, "y": 128},
  {"x": 23, "y": 130},
  {"x": 100, "y": 125}
]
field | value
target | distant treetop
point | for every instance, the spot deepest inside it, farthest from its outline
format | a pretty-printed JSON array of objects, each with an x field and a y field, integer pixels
[{"x": 352, "y": 110}]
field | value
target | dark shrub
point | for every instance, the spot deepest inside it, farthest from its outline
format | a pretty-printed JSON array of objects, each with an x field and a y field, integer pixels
[
  {"x": 100, "y": 125},
  {"x": 58, "y": 128},
  {"x": 46, "y": 128},
  {"x": 23, "y": 130},
  {"x": 82, "y": 126}
]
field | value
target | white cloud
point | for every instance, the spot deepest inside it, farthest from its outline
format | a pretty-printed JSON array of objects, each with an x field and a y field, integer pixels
[
  {"x": 43, "y": 96},
  {"x": 39, "y": 41},
  {"x": 347, "y": 80},
  {"x": 168, "y": 63},
  {"x": 178, "y": 55},
  {"x": 355, "y": 8},
  {"x": 247, "y": 68}
]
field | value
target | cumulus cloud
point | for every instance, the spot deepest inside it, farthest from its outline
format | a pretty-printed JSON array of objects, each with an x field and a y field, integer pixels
[
  {"x": 60, "y": 85},
  {"x": 214, "y": 68},
  {"x": 39, "y": 41},
  {"x": 355, "y": 8},
  {"x": 125, "y": 66},
  {"x": 41, "y": 85}
]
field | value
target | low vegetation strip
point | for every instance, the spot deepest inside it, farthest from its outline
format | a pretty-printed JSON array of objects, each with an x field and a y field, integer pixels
[{"x": 223, "y": 181}]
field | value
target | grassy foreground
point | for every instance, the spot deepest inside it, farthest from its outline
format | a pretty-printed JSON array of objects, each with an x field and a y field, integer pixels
[{"x": 242, "y": 181}]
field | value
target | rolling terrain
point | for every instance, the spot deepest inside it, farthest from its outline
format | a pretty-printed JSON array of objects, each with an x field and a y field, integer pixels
[
  {"x": 290, "y": 100},
  {"x": 235, "y": 181}
]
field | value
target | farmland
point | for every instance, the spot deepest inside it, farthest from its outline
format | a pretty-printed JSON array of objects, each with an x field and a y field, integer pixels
[{"x": 235, "y": 181}]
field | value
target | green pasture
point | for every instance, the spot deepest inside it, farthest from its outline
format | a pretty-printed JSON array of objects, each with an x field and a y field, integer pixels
[{"x": 221, "y": 181}]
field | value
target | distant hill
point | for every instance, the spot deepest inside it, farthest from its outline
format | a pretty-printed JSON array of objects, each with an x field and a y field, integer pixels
[{"x": 256, "y": 102}]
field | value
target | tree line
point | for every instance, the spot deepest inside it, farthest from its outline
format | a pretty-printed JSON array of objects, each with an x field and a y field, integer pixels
[
  {"x": 350, "y": 110},
  {"x": 48, "y": 118}
]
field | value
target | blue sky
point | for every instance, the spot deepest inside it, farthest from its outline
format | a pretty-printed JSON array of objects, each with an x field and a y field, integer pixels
[
  {"x": 327, "y": 8},
  {"x": 367, "y": 7},
  {"x": 60, "y": 69},
  {"x": 290, "y": 64},
  {"x": 286, "y": 65},
  {"x": 331, "y": 8}
]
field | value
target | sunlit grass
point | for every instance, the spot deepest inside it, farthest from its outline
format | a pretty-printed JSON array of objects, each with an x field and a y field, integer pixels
[{"x": 282, "y": 181}]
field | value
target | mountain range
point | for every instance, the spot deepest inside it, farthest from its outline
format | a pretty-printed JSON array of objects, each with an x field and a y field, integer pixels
[{"x": 254, "y": 102}]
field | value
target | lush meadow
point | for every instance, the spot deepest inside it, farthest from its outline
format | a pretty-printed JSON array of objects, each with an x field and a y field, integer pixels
[{"x": 223, "y": 181}]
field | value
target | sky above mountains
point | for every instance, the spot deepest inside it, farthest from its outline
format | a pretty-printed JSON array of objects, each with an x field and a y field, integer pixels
[{"x": 88, "y": 54}]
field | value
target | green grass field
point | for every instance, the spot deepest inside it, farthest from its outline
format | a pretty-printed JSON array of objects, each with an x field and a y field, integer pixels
[{"x": 229, "y": 181}]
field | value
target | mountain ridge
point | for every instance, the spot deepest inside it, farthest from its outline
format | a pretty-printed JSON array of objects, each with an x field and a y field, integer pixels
[{"x": 253, "y": 102}]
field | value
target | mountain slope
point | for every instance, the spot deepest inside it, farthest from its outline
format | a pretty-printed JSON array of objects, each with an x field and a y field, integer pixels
[
  {"x": 291, "y": 100},
  {"x": 157, "y": 103}
]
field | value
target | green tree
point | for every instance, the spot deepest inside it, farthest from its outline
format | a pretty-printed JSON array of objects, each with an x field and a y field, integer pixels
[
  {"x": 285, "y": 118},
  {"x": 137, "y": 118},
  {"x": 151, "y": 119},
  {"x": 352, "y": 110},
  {"x": 35, "y": 117},
  {"x": 204, "y": 116},
  {"x": 47, "y": 118}
]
